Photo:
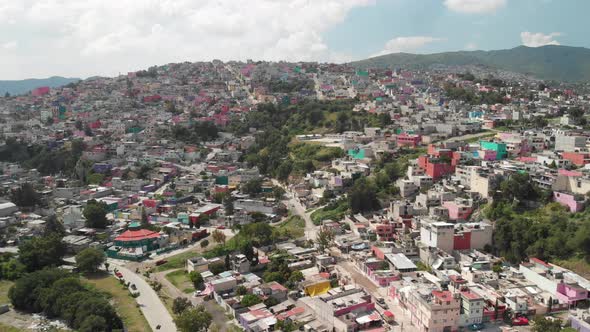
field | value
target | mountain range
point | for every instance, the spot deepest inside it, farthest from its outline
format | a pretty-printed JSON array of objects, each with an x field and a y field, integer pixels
[
  {"x": 18, "y": 87},
  {"x": 551, "y": 62}
]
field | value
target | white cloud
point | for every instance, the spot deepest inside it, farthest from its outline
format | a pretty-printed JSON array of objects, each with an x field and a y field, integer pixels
[
  {"x": 538, "y": 39},
  {"x": 11, "y": 45},
  {"x": 475, "y": 6},
  {"x": 471, "y": 46},
  {"x": 406, "y": 44},
  {"x": 105, "y": 37}
]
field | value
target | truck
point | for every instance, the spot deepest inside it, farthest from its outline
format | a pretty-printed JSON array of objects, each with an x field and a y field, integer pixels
[{"x": 201, "y": 234}]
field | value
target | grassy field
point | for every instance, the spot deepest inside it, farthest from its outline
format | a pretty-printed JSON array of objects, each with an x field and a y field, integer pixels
[
  {"x": 293, "y": 227},
  {"x": 181, "y": 281},
  {"x": 125, "y": 305},
  {"x": 8, "y": 328},
  {"x": 4, "y": 287},
  {"x": 178, "y": 261},
  {"x": 578, "y": 265},
  {"x": 334, "y": 211}
]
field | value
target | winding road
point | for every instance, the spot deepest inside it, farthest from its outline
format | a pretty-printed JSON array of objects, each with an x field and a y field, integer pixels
[{"x": 150, "y": 304}]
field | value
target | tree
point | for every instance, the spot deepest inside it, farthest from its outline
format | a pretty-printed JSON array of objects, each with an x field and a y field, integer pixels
[
  {"x": 217, "y": 268},
  {"x": 145, "y": 221},
  {"x": 241, "y": 290},
  {"x": 278, "y": 193},
  {"x": 324, "y": 238},
  {"x": 227, "y": 262},
  {"x": 95, "y": 214},
  {"x": 363, "y": 196},
  {"x": 95, "y": 178},
  {"x": 249, "y": 300},
  {"x": 204, "y": 243},
  {"x": 218, "y": 236},
  {"x": 252, "y": 187},
  {"x": 228, "y": 204},
  {"x": 197, "y": 279},
  {"x": 53, "y": 226},
  {"x": 89, "y": 260},
  {"x": 40, "y": 252},
  {"x": 193, "y": 320},
  {"x": 180, "y": 304},
  {"x": 93, "y": 323},
  {"x": 25, "y": 196},
  {"x": 542, "y": 324}
]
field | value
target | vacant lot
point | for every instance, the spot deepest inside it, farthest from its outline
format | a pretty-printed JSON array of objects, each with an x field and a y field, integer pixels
[
  {"x": 126, "y": 305},
  {"x": 181, "y": 281}
]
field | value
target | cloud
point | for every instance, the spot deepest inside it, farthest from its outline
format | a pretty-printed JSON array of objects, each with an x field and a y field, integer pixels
[
  {"x": 471, "y": 46},
  {"x": 538, "y": 39},
  {"x": 406, "y": 44},
  {"x": 11, "y": 45},
  {"x": 475, "y": 6},
  {"x": 105, "y": 37}
]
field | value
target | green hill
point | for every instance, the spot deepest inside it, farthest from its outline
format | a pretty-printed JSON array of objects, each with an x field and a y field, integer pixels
[
  {"x": 18, "y": 87},
  {"x": 562, "y": 63}
]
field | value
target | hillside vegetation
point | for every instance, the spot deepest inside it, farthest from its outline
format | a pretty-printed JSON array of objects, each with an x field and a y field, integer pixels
[{"x": 562, "y": 63}]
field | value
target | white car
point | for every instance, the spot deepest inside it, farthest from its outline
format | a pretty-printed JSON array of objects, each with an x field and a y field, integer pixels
[{"x": 198, "y": 293}]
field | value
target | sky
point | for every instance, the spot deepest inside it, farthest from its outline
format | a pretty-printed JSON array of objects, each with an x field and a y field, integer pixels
[{"x": 82, "y": 38}]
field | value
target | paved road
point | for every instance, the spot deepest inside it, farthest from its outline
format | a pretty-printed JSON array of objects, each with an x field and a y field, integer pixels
[
  {"x": 470, "y": 136},
  {"x": 295, "y": 206},
  {"x": 152, "y": 307}
]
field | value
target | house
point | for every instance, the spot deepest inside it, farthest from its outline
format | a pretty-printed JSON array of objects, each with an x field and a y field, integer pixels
[{"x": 197, "y": 264}]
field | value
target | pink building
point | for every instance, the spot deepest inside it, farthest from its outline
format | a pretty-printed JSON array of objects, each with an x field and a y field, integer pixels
[
  {"x": 571, "y": 293},
  {"x": 408, "y": 140},
  {"x": 458, "y": 211},
  {"x": 40, "y": 91},
  {"x": 574, "y": 203}
]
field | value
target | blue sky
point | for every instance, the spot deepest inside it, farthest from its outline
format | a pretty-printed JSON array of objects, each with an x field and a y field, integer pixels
[
  {"x": 366, "y": 29},
  {"x": 40, "y": 38}
]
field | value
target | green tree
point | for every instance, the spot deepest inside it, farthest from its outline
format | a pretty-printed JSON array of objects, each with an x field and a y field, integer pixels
[
  {"x": 193, "y": 320},
  {"x": 89, "y": 260},
  {"x": 53, "y": 226},
  {"x": 95, "y": 178},
  {"x": 241, "y": 290},
  {"x": 218, "y": 236},
  {"x": 252, "y": 187},
  {"x": 324, "y": 238},
  {"x": 25, "y": 196},
  {"x": 197, "y": 279},
  {"x": 278, "y": 193},
  {"x": 363, "y": 196},
  {"x": 542, "y": 324},
  {"x": 249, "y": 300},
  {"x": 93, "y": 323},
  {"x": 95, "y": 214},
  {"x": 204, "y": 243},
  {"x": 180, "y": 304},
  {"x": 40, "y": 252}
]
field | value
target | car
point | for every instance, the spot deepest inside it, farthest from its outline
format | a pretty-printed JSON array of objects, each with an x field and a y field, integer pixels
[
  {"x": 520, "y": 321},
  {"x": 221, "y": 227},
  {"x": 198, "y": 293},
  {"x": 161, "y": 262},
  {"x": 133, "y": 287},
  {"x": 119, "y": 274},
  {"x": 476, "y": 327}
]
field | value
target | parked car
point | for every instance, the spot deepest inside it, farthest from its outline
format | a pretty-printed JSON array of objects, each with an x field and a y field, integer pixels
[
  {"x": 476, "y": 327},
  {"x": 161, "y": 262},
  {"x": 133, "y": 287},
  {"x": 119, "y": 274},
  {"x": 381, "y": 302},
  {"x": 221, "y": 227},
  {"x": 520, "y": 321},
  {"x": 198, "y": 293}
]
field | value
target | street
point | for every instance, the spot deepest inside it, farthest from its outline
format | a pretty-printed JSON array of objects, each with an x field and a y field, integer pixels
[
  {"x": 295, "y": 206},
  {"x": 151, "y": 306}
]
